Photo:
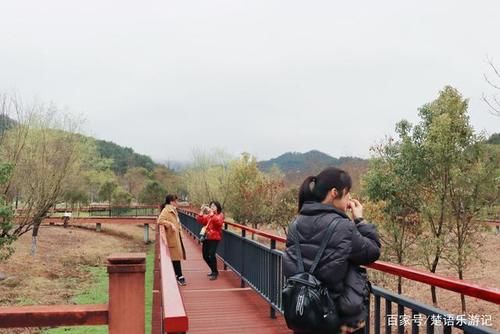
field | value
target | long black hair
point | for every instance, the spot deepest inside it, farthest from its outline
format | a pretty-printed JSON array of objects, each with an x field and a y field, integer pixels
[
  {"x": 315, "y": 188},
  {"x": 217, "y": 204},
  {"x": 168, "y": 199}
]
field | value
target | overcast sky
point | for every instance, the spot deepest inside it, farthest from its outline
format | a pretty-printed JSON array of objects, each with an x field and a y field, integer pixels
[{"x": 260, "y": 76}]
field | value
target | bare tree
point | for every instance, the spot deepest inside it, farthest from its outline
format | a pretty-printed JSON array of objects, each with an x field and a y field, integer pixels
[
  {"x": 493, "y": 79},
  {"x": 45, "y": 152},
  {"x": 208, "y": 177}
]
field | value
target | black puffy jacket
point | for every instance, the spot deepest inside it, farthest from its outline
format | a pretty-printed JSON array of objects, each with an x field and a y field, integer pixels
[{"x": 350, "y": 246}]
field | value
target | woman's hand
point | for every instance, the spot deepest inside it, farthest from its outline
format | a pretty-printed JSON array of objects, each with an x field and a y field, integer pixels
[
  {"x": 171, "y": 227},
  {"x": 356, "y": 208}
]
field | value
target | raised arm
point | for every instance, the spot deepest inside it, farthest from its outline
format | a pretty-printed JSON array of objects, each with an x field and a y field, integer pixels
[
  {"x": 202, "y": 219},
  {"x": 365, "y": 243}
]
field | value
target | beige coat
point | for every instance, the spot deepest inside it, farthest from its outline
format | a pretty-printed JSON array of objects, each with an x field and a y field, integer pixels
[{"x": 170, "y": 219}]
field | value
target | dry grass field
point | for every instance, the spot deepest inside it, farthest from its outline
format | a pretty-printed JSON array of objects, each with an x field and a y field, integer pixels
[{"x": 486, "y": 274}]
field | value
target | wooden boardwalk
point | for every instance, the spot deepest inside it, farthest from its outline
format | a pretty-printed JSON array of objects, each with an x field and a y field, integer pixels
[{"x": 221, "y": 306}]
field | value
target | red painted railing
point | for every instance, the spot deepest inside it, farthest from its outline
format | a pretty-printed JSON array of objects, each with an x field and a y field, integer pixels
[
  {"x": 124, "y": 312},
  {"x": 169, "y": 314},
  {"x": 452, "y": 284},
  {"x": 103, "y": 220}
]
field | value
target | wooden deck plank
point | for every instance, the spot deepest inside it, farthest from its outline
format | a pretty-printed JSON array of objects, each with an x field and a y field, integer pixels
[{"x": 221, "y": 306}]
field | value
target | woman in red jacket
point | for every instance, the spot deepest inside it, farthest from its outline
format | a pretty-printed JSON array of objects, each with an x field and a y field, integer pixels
[{"x": 213, "y": 218}]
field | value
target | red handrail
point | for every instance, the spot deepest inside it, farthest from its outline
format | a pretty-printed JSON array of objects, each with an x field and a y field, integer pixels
[
  {"x": 103, "y": 220},
  {"x": 270, "y": 236},
  {"x": 53, "y": 315},
  {"x": 174, "y": 313},
  {"x": 452, "y": 284}
]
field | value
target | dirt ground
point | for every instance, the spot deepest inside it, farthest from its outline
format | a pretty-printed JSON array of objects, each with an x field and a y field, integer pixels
[
  {"x": 485, "y": 274},
  {"x": 56, "y": 272}
]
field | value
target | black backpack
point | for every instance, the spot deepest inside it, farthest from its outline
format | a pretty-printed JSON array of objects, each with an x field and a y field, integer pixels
[{"x": 307, "y": 304}]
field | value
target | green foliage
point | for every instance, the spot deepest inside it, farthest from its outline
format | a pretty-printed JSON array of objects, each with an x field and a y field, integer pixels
[
  {"x": 46, "y": 156},
  {"x": 208, "y": 177},
  {"x": 123, "y": 157},
  {"x": 75, "y": 196},
  {"x": 121, "y": 197},
  {"x": 281, "y": 206},
  {"x": 107, "y": 190},
  {"x": 390, "y": 184},
  {"x": 259, "y": 199},
  {"x": 6, "y": 215},
  {"x": 168, "y": 179},
  {"x": 435, "y": 178},
  {"x": 6, "y": 123},
  {"x": 153, "y": 193},
  {"x": 494, "y": 139},
  {"x": 246, "y": 195},
  {"x": 135, "y": 179}
]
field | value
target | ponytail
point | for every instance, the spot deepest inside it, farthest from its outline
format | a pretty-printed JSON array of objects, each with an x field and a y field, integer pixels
[
  {"x": 307, "y": 191},
  {"x": 168, "y": 199},
  {"x": 316, "y": 188}
]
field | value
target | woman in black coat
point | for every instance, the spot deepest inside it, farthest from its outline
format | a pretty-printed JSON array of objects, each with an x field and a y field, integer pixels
[{"x": 323, "y": 200}]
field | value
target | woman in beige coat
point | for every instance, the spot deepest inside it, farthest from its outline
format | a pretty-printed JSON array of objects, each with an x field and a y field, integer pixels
[{"x": 170, "y": 219}]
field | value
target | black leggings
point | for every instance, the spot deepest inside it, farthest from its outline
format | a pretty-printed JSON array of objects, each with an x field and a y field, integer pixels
[
  {"x": 177, "y": 268},
  {"x": 209, "y": 249}
]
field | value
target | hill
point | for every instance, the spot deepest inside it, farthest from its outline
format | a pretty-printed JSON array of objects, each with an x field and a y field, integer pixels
[
  {"x": 6, "y": 123},
  {"x": 296, "y": 166},
  {"x": 292, "y": 162},
  {"x": 123, "y": 157}
]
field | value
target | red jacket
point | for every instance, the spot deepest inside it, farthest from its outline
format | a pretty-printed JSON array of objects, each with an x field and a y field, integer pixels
[{"x": 214, "y": 223}]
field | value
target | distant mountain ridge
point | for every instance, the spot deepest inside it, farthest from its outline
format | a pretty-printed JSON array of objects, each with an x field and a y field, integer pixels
[
  {"x": 296, "y": 166},
  {"x": 295, "y": 161}
]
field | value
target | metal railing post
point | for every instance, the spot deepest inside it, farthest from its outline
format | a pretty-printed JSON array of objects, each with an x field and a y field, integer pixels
[
  {"x": 225, "y": 265},
  {"x": 377, "y": 315},
  {"x": 401, "y": 326},
  {"x": 146, "y": 233},
  {"x": 243, "y": 237},
  {"x": 272, "y": 279},
  {"x": 388, "y": 315}
]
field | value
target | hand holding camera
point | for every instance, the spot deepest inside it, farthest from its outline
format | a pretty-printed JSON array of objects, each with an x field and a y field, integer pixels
[{"x": 205, "y": 209}]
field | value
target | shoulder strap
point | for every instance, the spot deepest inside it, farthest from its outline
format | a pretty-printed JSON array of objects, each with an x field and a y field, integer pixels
[
  {"x": 292, "y": 235},
  {"x": 324, "y": 242},
  {"x": 292, "y": 230}
]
